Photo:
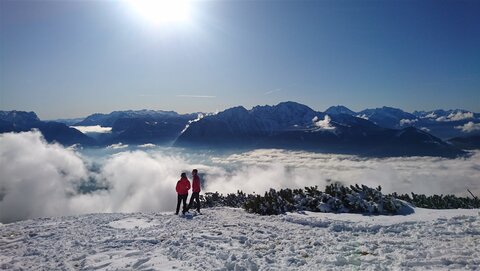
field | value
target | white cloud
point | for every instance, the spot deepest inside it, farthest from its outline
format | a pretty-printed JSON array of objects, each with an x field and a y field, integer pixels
[
  {"x": 41, "y": 179},
  {"x": 428, "y": 175},
  {"x": 93, "y": 129},
  {"x": 323, "y": 124},
  {"x": 36, "y": 178},
  {"x": 407, "y": 122},
  {"x": 148, "y": 145},
  {"x": 469, "y": 127},
  {"x": 425, "y": 129},
  {"x": 460, "y": 116},
  {"x": 456, "y": 116},
  {"x": 117, "y": 146},
  {"x": 272, "y": 91},
  {"x": 138, "y": 181},
  {"x": 431, "y": 115},
  {"x": 363, "y": 116},
  {"x": 195, "y": 96}
]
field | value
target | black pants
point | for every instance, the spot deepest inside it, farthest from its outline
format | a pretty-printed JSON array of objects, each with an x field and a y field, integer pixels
[
  {"x": 181, "y": 198},
  {"x": 195, "y": 196}
]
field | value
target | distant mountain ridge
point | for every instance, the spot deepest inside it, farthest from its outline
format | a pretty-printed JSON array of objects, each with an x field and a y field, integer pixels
[
  {"x": 468, "y": 142},
  {"x": 340, "y": 109},
  {"x": 296, "y": 126},
  {"x": 384, "y": 131},
  {"x": 109, "y": 119},
  {"x": 21, "y": 121},
  {"x": 444, "y": 124},
  {"x": 139, "y": 126}
]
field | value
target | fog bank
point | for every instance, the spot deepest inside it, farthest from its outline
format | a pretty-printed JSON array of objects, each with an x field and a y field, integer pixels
[{"x": 40, "y": 179}]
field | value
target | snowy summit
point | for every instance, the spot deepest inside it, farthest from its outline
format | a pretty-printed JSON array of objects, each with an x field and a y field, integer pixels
[{"x": 231, "y": 239}]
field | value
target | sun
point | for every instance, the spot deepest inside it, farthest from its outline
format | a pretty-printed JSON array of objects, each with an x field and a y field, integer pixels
[{"x": 162, "y": 11}]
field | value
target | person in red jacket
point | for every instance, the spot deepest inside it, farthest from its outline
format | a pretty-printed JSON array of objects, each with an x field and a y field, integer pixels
[
  {"x": 183, "y": 185},
  {"x": 195, "y": 191}
]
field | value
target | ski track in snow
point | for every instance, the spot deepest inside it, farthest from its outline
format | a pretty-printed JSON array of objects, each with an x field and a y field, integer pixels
[{"x": 231, "y": 239}]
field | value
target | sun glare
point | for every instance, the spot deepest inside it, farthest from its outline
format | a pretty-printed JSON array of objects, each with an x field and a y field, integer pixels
[{"x": 162, "y": 11}]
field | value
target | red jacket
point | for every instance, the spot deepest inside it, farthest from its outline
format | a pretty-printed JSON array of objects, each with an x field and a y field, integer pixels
[
  {"x": 196, "y": 184},
  {"x": 183, "y": 185}
]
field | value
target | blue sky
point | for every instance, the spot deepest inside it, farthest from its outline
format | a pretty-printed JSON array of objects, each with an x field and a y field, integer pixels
[{"x": 74, "y": 58}]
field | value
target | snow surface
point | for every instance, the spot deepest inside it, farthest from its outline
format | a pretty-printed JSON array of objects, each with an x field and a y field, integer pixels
[{"x": 231, "y": 239}]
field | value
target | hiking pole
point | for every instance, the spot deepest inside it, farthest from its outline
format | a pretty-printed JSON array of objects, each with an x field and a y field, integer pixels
[{"x": 472, "y": 194}]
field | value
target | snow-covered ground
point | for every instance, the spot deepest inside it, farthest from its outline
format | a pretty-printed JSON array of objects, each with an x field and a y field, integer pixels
[{"x": 231, "y": 239}]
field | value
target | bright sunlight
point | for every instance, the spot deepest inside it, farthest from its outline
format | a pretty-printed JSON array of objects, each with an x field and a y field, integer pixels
[{"x": 162, "y": 11}]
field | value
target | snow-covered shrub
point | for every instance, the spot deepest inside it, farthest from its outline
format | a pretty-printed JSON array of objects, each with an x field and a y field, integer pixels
[
  {"x": 272, "y": 203},
  {"x": 440, "y": 201},
  {"x": 218, "y": 200},
  {"x": 336, "y": 198}
]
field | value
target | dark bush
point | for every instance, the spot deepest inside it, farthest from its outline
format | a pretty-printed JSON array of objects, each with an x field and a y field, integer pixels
[{"x": 336, "y": 198}]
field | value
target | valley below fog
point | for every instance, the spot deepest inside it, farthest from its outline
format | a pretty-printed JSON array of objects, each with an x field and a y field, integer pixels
[{"x": 44, "y": 179}]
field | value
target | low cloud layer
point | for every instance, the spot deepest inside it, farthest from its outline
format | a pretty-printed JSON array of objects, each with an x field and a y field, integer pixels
[
  {"x": 117, "y": 146},
  {"x": 281, "y": 168},
  {"x": 137, "y": 181},
  {"x": 148, "y": 145},
  {"x": 469, "y": 127},
  {"x": 456, "y": 116},
  {"x": 40, "y": 179},
  {"x": 36, "y": 178},
  {"x": 407, "y": 122},
  {"x": 93, "y": 129}
]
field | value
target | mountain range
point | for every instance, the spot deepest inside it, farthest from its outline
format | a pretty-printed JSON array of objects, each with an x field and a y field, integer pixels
[
  {"x": 444, "y": 124},
  {"x": 382, "y": 131},
  {"x": 20, "y": 121},
  {"x": 295, "y": 126},
  {"x": 137, "y": 127}
]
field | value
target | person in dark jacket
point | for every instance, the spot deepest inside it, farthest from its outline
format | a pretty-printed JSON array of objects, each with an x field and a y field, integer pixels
[
  {"x": 183, "y": 185},
  {"x": 195, "y": 191}
]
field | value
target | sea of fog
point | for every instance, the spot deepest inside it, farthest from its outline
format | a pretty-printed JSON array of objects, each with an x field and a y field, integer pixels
[{"x": 41, "y": 179}]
